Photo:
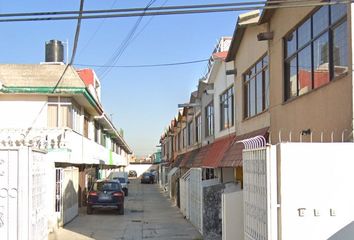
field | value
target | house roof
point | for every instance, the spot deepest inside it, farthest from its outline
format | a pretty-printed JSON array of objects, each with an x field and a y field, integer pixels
[
  {"x": 39, "y": 75},
  {"x": 193, "y": 97},
  {"x": 220, "y": 55},
  {"x": 244, "y": 20},
  {"x": 44, "y": 79},
  {"x": 233, "y": 156},
  {"x": 267, "y": 13}
]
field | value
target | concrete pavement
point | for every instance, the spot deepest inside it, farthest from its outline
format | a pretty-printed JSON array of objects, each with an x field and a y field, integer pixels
[{"x": 148, "y": 215}]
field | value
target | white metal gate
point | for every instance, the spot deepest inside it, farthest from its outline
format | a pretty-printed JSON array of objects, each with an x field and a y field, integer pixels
[
  {"x": 59, "y": 194},
  {"x": 184, "y": 193},
  {"x": 9, "y": 184},
  {"x": 196, "y": 204},
  {"x": 255, "y": 194},
  {"x": 70, "y": 189},
  {"x": 39, "y": 190},
  {"x": 22, "y": 194},
  {"x": 191, "y": 197},
  {"x": 259, "y": 205}
]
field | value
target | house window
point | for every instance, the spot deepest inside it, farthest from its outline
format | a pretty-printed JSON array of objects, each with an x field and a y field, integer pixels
[
  {"x": 179, "y": 141},
  {"x": 86, "y": 126},
  {"x": 59, "y": 112},
  {"x": 316, "y": 51},
  {"x": 256, "y": 88},
  {"x": 198, "y": 128},
  {"x": 97, "y": 132},
  {"x": 190, "y": 133},
  {"x": 103, "y": 138},
  {"x": 184, "y": 137},
  {"x": 209, "y": 173},
  {"x": 76, "y": 126},
  {"x": 227, "y": 109},
  {"x": 209, "y": 119}
]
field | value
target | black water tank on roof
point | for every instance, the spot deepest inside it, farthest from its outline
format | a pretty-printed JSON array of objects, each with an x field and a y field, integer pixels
[{"x": 54, "y": 51}]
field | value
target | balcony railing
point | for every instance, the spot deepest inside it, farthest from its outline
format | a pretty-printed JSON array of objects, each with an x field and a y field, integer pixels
[
  {"x": 40, "y": 138},
  {"x": 81, "y": 149}
]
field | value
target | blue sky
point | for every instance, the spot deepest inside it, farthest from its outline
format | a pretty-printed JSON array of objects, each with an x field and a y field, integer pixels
[{"x": 142, "y": 100}]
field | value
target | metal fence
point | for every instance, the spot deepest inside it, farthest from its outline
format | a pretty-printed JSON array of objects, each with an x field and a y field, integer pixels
[
  {"x": 191, "y": 197},
  {"x": 23, "y": 205},
  {"x": 184, "y": 193},
  {"x": 255, "y": 194},
  {"x": 259, "y": 197}
]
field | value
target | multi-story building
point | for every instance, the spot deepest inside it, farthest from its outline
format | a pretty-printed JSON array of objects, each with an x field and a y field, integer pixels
[
  {"x": 56, "y": 108},
  {"x": 310, "y": 59}
]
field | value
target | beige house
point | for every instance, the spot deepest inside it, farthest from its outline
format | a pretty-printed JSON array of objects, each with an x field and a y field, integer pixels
[
  {"x": 311, "y": 87},
  {"x": 250, "y": 58},
  {"x": 294, "y": 76}
]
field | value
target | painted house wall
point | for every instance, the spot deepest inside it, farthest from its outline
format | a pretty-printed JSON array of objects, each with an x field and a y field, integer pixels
[
  {"x": 228, "y": 175},
  {"x": 326, "y": 109},
  {"x": 249, "y": 52},
  {"x": 191, "y": 115},
  {"x": 206, "y": 99},
  {"x": 22, "y": 110},
  {"x": 221, "y": 83}
]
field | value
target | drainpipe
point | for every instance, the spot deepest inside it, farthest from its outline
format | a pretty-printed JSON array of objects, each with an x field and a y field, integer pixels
[
  {"x": 270, "y": 84},
  {"x": 352, "y": 67}
]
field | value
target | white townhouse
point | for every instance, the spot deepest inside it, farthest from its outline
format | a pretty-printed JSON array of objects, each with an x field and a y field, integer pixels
[{"x": 59, "y": 111}]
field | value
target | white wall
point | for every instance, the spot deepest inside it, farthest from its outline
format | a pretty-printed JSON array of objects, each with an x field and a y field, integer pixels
[
  {"x": 232, "y": 215},
  {"x": 21, "y": 111},
  {"x": 221, "y": 83},
  {"x": 316, "y": 177},
  {"x": 228, "y": 175},
  {"x": 139, "y": 168}
]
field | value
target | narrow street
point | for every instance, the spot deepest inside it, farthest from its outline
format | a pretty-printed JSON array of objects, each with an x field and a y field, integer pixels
[{"x": 148, "y": 215}]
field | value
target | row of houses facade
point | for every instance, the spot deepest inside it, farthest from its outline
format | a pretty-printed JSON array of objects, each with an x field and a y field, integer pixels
[
  {"x": 57, "y": 109},
  {"x": 275, "y": 80}
]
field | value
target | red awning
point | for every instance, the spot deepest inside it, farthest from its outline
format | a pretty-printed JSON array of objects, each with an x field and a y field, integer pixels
[
  {"x": 216, "y": 151},
  {"x": 188, "y": 158},
  {"x": 178, "y": 160},
  {"x": 233, "y": 156},
  {"x": 223, "y": 152},
  {"x": 199, "y": 158}
]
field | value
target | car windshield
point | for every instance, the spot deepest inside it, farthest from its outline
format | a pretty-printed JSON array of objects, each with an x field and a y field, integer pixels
[
  {"x": 106, "y": 186},
  {"x": 121, "y": 180}
]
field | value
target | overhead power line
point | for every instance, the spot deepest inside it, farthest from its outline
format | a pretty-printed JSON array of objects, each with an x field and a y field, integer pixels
[
  {"x": 96, "y": 31},
  {"x": 287, "y": 4},
  {"x": 121, "y": 49},
  {"x": 144, "y": 9},
  {"x": 144, "y": 65},
  {"x": 76, "y": 39}
]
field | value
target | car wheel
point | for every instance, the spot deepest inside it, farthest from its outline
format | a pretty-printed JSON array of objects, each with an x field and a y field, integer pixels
[
  {"x": 121, "y": 210},
  {"x": 89, "y": 210}
]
